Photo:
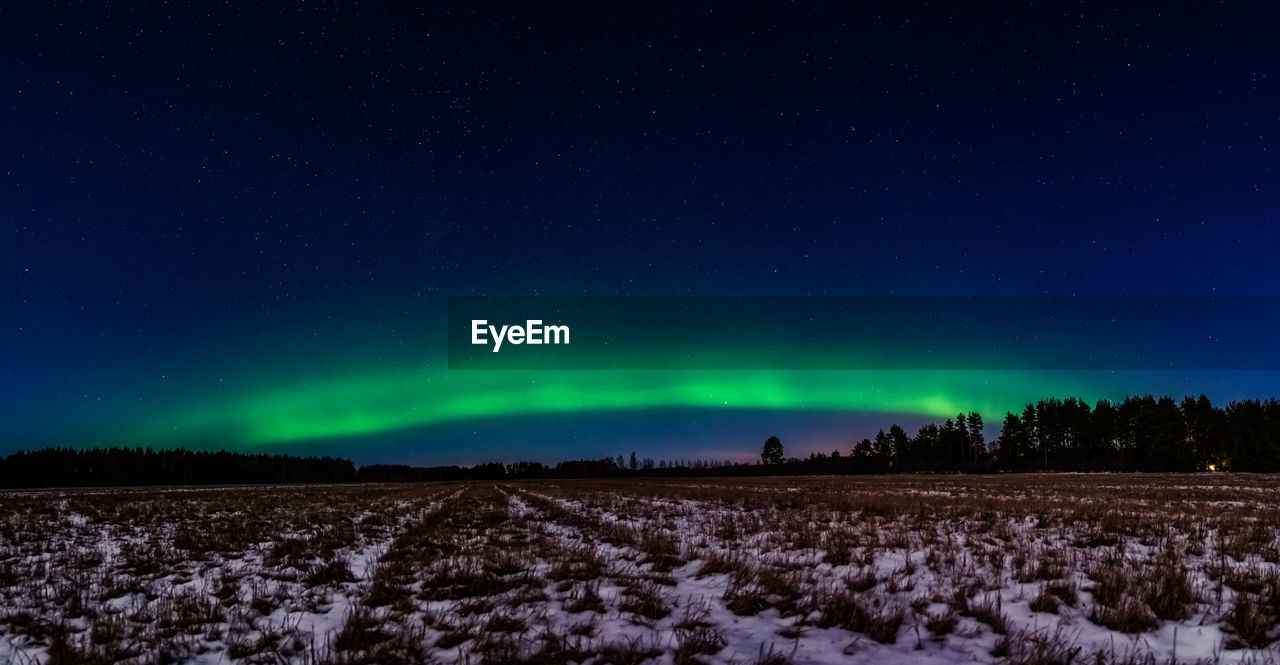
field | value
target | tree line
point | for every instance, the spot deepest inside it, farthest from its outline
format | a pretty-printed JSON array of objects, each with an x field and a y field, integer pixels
[
  {"x": 103, "y": 467},
  {"x": 1143, "y": 433},
  {"x": 608, "y": 467}
]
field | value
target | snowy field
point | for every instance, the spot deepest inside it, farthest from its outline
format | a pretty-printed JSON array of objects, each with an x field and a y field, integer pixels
[{"x": 916, "y": 569}]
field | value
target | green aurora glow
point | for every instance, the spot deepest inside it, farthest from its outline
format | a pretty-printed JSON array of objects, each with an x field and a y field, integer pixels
[
  {"x": 364, "y": 404},
  {"x": 281, "y": 383}
]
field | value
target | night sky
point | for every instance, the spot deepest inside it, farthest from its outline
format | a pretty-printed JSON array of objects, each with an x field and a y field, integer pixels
[{"x": 238, "y": 227}]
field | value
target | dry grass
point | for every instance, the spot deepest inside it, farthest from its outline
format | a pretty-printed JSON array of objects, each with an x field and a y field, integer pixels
[{"x": 563, "y": 571}]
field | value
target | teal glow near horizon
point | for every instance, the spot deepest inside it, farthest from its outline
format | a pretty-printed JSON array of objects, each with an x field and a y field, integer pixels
[
  {"x": 367, "y": 404},
  {"x": 366, "y": 383}
]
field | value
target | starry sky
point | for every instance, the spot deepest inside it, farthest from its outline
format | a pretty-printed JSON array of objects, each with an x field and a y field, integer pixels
[{"x": 238, "y": 226}]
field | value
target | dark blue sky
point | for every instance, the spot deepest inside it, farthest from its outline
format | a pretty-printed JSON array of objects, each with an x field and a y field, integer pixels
[{"x": 173, "y": 177}]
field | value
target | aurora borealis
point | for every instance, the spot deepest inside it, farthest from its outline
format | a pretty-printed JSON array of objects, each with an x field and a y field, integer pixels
[
  {"x": 281, "y": 398},
  {"x": 239, "y": 228},
  {"x": 389, "y": 403}
]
